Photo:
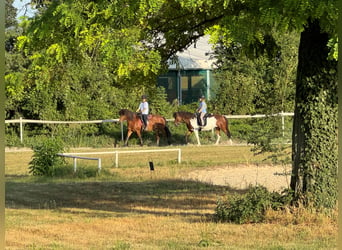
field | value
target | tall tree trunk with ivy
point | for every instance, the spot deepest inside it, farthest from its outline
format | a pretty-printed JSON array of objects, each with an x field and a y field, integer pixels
[{"x": 314, "y": 149}]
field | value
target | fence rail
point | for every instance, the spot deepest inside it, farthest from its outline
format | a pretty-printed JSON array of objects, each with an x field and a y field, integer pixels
[
  {"x": 116, "y": 153},
  {"x": 22, "y": 121},
  {"x": 75, "y": 157}
]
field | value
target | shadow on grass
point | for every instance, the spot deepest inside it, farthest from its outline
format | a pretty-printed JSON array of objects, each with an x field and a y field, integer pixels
[{"x": 169, "y": 197}]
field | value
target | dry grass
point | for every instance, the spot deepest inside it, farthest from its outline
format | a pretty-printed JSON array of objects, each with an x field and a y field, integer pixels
[{"x": 134, "y": 208}]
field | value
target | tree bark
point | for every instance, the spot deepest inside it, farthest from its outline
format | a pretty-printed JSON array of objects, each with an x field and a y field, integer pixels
[{"x": 314, "y": 137}]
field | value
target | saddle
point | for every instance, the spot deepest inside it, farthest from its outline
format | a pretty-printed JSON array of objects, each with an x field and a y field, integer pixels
[
  {"x": 199, "y": 122},
  {"x": 149, "y": 116}
]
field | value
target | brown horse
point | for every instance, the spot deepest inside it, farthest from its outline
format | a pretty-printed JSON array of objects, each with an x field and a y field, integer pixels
[
  {"x": 155, "y": 123},
  {"x": 219, "y": 122}
]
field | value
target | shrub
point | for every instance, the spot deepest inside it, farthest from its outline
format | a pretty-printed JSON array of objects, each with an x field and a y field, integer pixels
[
  {"x": 45, "y": 157},
  {"x": 250, "y": 207}
]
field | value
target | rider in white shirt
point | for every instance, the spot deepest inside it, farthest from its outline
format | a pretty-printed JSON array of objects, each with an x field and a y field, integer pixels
[
  {"x": 144, "y": 110},
  {"x": 202, "y": 109}
]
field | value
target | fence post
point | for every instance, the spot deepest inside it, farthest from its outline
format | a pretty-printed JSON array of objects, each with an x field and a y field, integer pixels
[
  {"x": 21, "y": 129},
  {"x": 116, "y": 159},
  {"x": 179, "y": 156},
  {"x": 75, "y": 164},
  {"x": 99, "y": 164},
  {"x": 283, "y": 122}
]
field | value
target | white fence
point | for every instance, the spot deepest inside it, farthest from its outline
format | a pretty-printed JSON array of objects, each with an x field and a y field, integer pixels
[
  {"x": 22, "y": 121},
  {"x": 76, "y": 156}
]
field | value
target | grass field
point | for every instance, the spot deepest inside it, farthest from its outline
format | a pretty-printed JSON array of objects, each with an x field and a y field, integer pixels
[{"x": 131, "y": 207}]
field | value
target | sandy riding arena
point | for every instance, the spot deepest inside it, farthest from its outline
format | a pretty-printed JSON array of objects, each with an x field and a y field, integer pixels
[{"x": 274, "y": 178}]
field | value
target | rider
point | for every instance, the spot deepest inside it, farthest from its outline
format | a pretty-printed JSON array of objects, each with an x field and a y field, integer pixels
[
  {"x": 144, "y": 110},
  {"x": 202, "y": 109}
]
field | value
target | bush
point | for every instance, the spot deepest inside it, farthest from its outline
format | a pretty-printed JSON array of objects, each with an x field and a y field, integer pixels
[
  {"x": 250, "y": 207},
  {"x": 45, "y": 157}
]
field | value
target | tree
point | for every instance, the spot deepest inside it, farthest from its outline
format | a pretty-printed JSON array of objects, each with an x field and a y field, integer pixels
[
  {"x": 250, "y": 23},
  {"x": 314, "y": 173},
  {"x": 11, "y": 14},
  {"x": 256, "y": 85},
  {"x": 15, "y": 63},
  {"x": 237, "y": 77},
  {"x": 67, "y": 42}
]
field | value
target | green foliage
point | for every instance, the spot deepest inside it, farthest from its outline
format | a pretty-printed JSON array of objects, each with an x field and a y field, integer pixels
[
  {"x": 250, "y": 207},
  {"x": 260, "y": 85},
  {"x": 319, "y": 164},
  {"x": 45, "y": 159},
  {"x": 241, "y": 128},
  {"x": 159, "y": 104}
]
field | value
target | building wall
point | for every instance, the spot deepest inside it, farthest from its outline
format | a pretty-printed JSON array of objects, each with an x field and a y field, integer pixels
[{"x": 187, "y": 86}]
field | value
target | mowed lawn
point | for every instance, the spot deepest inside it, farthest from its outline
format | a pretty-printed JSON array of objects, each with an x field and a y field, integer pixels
[{"x": 131, "y": 207}]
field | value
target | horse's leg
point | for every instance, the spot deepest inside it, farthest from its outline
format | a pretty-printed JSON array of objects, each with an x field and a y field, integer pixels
[
  {"x": 217, "y": 130},
  {"x": 197, "y": 137},
  {"x": 227, "y": 132},
  {"x": 129, "y": 132},
  {"x": 158, "y": 138},
  {"x": 156, "y": 129},
  {"x": 140, "y": 137},
  {"x": 188, "y": 133}
]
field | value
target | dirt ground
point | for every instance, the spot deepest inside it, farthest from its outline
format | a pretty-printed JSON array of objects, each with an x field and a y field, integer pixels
[{"x": 274, "y": 178}]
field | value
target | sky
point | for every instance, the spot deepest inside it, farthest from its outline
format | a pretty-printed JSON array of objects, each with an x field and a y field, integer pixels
[{"x": 21, "y": 9}]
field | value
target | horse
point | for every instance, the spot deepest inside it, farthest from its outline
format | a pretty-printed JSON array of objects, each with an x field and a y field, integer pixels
[
  {"x": 155, "y": 123},
  {"x": 219, "y": 122}
]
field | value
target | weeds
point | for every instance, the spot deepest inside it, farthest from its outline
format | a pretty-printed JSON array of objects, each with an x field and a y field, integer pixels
[{"x": 250, "y": 207}]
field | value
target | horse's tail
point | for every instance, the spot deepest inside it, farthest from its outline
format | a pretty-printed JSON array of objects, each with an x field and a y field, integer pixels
[
  {"x": 168, "y": 134},
  {"x": 227, "y": 129},
  {"x": 167, "y": 131}
]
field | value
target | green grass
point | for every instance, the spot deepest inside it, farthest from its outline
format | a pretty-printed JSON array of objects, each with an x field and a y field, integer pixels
[{"x": 131, "y": 207}]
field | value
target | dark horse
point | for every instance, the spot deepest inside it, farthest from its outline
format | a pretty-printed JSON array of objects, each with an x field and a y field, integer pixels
[
  {"x": 219, "y": 122},
  {"x": 155, "y": 123}
]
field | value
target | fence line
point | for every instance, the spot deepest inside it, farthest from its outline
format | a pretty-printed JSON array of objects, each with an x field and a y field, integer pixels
[
  {"x": 117, "y": 152},
  {"x": 22, "y": 121},
  {"x": 282, "y": 114}
]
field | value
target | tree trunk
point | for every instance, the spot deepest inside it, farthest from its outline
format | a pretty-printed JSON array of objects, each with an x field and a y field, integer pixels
[{"x": 314, "y": 138}]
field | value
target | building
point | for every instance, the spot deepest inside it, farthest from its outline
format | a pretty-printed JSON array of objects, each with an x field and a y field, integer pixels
[{"x": 191, "y": 76}]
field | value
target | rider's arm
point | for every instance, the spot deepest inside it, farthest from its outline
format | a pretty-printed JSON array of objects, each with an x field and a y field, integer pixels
[{"x": 199, "y": 108}]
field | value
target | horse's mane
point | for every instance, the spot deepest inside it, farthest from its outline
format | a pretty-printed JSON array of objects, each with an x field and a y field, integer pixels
[
  {"x": 184, "y": 114},
  {"x": 129, "y": 114}
]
